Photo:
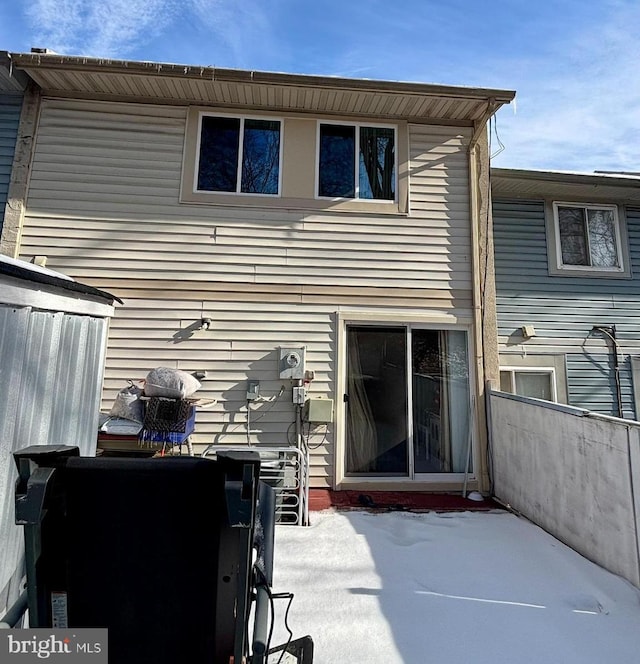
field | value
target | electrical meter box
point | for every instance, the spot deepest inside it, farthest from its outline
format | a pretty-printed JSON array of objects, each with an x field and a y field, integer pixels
[
  {"x": 318, "y": 410},
  {"x": 292, "y": 362}
]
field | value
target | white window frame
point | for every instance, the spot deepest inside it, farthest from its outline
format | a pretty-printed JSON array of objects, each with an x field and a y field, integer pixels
[
  {"x": 558, "y": 268},
  {"x": 531, "y": 369},
  {"x": 242, "y": 118},
  {"x": 357, "y": 126},
  {"x": 413, "y": 480}
]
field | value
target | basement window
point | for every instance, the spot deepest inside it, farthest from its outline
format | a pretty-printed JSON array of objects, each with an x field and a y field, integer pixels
[
  {"x": 537, "y": 375},
  {"x": 238, "y": 155},
  {"x": 538, "y": 383}
]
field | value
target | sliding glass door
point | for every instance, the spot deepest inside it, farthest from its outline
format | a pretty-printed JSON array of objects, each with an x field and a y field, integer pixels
[
  {"x": 407, "y": 401},
  {"x": 377, "y": 401}
]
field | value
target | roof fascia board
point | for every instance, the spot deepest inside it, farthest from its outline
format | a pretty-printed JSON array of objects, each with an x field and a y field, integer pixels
[
  {"x": 565, "y": 178},
  {"x": 28, "y": 273},
  {"x": 18, "y": 292}
]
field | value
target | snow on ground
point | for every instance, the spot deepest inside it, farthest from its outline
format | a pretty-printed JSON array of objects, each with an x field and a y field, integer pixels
[{"x": 485, "y": 588}]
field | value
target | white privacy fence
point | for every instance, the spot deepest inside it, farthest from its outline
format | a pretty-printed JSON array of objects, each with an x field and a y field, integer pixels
[{"x": 574, "y": 473}]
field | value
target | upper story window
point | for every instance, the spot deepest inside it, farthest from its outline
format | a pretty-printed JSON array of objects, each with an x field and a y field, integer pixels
[
  {"x": 356, "y": 161},
  {"x": 588, "y": 237},
  {"x": 238, "y": 155},
  {"x": 242, "y": 159}
]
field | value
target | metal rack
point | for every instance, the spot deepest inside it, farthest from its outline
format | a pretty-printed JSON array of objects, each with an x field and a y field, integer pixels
[{"x": 286, "y": 470}]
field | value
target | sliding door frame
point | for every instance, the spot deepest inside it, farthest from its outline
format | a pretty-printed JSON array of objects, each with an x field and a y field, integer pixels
[{"x": 411, "y": 321}]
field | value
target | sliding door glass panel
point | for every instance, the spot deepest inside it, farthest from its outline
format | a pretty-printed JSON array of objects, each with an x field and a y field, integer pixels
[
  {"x": 441, "y": 402},
  {"x": 376, "y": 408}
]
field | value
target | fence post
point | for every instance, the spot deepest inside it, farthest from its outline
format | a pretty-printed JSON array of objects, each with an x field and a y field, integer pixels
[{"x": 633, "y": 437}]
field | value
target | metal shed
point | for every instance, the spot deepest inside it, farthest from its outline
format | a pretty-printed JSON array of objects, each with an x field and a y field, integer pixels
[{"x": 53, "y": 333}]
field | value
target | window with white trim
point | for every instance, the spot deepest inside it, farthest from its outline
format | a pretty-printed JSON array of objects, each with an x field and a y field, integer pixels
[
  {"x": 536, "y": 382},
  {"x": 587, "y": 237},
  {"x": 356, "y": 161},
  {"x": 238, "y": 155}
]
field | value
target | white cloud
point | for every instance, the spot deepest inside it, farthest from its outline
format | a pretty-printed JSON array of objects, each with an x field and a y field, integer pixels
[
  {"x": 104, "y": 28},
  {"x": 242, "y": 25},
  {"x": 240, "y": 29},
  {"x": 579, "y": 108}
]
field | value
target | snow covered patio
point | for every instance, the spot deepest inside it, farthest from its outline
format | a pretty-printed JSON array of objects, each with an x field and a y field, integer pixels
[{"x": 486, "y": 588}]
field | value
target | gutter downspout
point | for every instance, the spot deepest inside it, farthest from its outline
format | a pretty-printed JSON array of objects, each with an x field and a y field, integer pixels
[
  {"x": 616, "y": 369},
  {"x": 610, "y": 331}
]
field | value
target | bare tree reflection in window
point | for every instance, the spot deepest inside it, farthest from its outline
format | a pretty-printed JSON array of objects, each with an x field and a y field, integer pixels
[
  {"x": 377, "y": 163},
  {"x": 261, "y": 157},
  {"x": 602, "y": 238},
  {"x": 573, "y": 239}
]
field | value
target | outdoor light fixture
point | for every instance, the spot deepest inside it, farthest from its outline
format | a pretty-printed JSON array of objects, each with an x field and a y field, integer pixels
[
  {"x": 205, "y": 323},
  {"x": 528, "y": 331}
]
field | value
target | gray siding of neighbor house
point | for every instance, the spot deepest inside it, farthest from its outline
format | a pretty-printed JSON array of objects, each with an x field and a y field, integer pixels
[
  {"x": 104, "y": 206},
  {"x": 564, "y": 310},
  {"x": 10, "y": 106}
]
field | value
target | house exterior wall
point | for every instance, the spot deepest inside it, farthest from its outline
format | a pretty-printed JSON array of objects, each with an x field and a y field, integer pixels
[
  {"x": 10, "y": 107},
  {"x": 564, "y": 309},
  {"x": 103, "y": 205}
]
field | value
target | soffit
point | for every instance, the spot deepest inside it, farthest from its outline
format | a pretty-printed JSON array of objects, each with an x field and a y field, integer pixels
[
  {"x": 65, "y": 75},
  {"x": 538, "y": 185},
  {"x": 11, "y": 81}
]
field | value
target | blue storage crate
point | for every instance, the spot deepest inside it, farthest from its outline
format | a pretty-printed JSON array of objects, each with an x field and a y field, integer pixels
[{"x": 166, "y": 437}]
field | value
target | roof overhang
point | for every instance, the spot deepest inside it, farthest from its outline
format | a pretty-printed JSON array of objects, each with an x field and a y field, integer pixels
[
  {"x": 11, "y": 80},
  {"x": 535, "y": 184},
  {"x": 26, "y": 284},
  {"x": 63, "y": 75}
]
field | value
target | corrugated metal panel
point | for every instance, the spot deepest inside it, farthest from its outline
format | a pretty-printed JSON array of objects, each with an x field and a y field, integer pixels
[
  {"x": 10, "y": 107},
  {"x": 564, "y": 309},
  {"x": 103, "y": 206},
  {"x": 51, "y": 373}
]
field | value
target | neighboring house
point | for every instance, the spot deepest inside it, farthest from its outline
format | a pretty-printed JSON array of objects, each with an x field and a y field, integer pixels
[
  {"x": 567, "y": 263},
  {"x": 11, "y": 93},
  {"x": 258, "y": 224}
]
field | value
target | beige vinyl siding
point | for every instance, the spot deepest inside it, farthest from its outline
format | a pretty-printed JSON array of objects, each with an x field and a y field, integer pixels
[{"x": 103, "y": 206}]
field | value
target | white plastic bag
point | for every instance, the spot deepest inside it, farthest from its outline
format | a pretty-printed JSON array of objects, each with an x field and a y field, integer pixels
[
  {"x": 119, "y": 427},
  {"x": 170, "y": 383},
  {"x": 127, "y": 405}
]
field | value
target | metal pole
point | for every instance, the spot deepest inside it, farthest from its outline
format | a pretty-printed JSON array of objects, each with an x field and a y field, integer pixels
[
  {"x": 469, "y": 439},
  {"x": 12, "y": 617}
]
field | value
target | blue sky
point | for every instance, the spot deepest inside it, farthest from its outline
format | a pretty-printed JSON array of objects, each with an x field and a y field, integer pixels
[{"x": 574, "y": 64}]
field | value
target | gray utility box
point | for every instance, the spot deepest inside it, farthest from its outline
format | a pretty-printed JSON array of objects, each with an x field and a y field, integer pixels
[{"x": 318, "y": 410}]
